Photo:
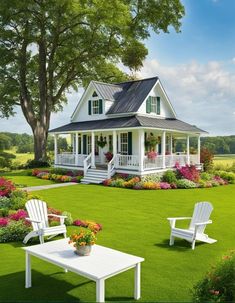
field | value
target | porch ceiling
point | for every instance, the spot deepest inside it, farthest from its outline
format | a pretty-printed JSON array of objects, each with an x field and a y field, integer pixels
[{"x": 136, "y": 121}]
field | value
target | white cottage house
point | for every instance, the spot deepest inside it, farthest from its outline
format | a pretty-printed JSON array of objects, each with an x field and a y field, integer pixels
[{"x": 129, "y": 127}]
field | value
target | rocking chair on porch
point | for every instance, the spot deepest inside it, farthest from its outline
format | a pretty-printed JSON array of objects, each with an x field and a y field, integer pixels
[{"x": 38, "y": 216}]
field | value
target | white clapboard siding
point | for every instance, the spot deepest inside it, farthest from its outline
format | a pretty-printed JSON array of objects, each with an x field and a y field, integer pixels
[
  {"x": 38, "y": 216},
  {"x": 198, "y": 222}
]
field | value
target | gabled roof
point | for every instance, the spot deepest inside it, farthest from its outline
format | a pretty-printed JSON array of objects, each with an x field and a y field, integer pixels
[{"x": 129, "y": 122}]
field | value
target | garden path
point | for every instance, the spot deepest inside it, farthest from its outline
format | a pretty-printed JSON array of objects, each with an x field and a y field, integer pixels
[{"x": 42, "y": 187}]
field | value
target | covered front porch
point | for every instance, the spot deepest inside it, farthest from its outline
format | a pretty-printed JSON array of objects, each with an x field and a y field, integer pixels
[{"x": 127, "y": 150}]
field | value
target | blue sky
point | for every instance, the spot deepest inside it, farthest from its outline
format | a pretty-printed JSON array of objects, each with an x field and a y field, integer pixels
[{"x": 196, "y": 67}]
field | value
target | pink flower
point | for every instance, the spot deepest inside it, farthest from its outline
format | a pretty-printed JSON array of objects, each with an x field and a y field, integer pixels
[
  {"x": 151, "y": 155},
  {"x": 165, "y": 185},
  {"x": 20, "y": 214},
  {"x": 3, "y": 222}
]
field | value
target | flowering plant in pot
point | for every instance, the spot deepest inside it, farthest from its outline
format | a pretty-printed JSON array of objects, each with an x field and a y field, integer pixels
[
  {"x": 151, "y": 140},
  {"x": 151, "y": 155},
  {"x": 83, "y": 241},
  {"x": 108, "y": 156}
]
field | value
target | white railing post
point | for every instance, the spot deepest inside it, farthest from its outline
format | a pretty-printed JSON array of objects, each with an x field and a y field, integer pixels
[
  {"x": 55, "y": 149},
  {"x": 188, "y": 151},
  {"x": 171, "y": 144},
  {"x": 92, "y": 149},
  {"x": 199, "y": 149},
  {"x": 76, "y": 149},
  {"x": 141, "y": 150},
  {"x": 163, "y": 143},
  {"x": 114, "y": 143}
]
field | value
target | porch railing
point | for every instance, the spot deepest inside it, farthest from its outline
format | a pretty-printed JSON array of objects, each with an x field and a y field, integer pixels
[
  {"x": 87, "y": 163},
  {"x": 111, "y": 166},
  {"x": 127, "y": 161},
  {"x": 70, "y": 159}
]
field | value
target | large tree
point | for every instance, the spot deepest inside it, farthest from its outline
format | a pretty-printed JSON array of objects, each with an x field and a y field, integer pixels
[{"x": 50, "y": 46}]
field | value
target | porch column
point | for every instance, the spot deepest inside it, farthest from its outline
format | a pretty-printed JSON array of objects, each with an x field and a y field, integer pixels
[
  {"x": 163, "y": 143},
  {"x": 199, "y": 149},
  {"x": 141, "y": 150},
  {"x": 92, "y": 149},
  {"x": 76, "y": 149},
  {"x": 188, "y": 151},
  {"x": 55, "y": 149},
  {"x": 171, "y": 144}
]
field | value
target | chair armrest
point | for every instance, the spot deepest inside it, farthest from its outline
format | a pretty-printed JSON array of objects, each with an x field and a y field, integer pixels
[
  {"x": 203, "y": 223},
  {"x": 32, "y": 220},
  {"x": 58, "y": 216},
  {"x": 173, "y": 220},
  {"x": 179, "y": 218}
]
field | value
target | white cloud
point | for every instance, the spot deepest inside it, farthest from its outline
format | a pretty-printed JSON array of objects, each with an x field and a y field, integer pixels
[{"x": 202, "y": 94}]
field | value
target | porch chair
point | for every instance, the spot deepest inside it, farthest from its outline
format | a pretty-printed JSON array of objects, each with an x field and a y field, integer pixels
[
  {"x": 38, "y": 216},
  {"x": 199, "y": 220}
]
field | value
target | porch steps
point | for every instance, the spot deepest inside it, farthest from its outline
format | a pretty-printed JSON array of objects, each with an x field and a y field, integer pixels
[{"x": 95, "y": 176}]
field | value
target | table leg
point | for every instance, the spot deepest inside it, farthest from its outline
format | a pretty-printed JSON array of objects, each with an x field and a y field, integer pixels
[
  {"x": 137, "y": 282},
  {"x": 28, "y": 278},
  {"x": 100, "y": 290}
]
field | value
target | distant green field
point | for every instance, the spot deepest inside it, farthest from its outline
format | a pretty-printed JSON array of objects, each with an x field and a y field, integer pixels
[
  {"x": 20, "y": 158},
  {"x": 227, "y": 159}
]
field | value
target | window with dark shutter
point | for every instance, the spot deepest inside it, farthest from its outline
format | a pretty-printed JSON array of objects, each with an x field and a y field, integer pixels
[
  {"x": 89, "y": 107},
  {"x": 129, "y": 143},
  {"x": 158, "y": 105},
  {"x": 84, "y": 144},
  {"x": 100, "y": 106},
  {"x": 148, "y": 105}
]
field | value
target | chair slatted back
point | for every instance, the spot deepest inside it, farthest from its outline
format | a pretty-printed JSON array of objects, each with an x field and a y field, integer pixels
[
  {"x": 202, "y": 212},
  {"x": 37, "y": 210}
]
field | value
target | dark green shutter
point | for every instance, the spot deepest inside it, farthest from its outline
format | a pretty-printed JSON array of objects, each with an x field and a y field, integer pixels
[
  {"x": 84, "y": 144},
  {"x": 79, "y": 145},
  {"x": 158, "y": 106},
  {"x": 89, "y": 107},
  {"x": 100, "y": 106},
  {"x": 129, "y": 143},
  {"x": 148, "y": 105}
]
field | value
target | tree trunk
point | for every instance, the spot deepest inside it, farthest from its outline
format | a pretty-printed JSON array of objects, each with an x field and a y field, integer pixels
[{"x": 40, "y": 134}]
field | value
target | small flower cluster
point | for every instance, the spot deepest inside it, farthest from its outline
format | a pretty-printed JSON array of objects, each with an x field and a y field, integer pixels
[
  {"x": 93, "y": 226},
  {"x": 68, "y": 176},
  {"x": 6, "y": 187},
  {"x": 188, "y": 172},
  {"x": 83, "y": 237}
]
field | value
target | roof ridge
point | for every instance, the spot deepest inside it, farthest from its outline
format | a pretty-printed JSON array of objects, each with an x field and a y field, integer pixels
[
  {"x": 144, "y": 79},
  {"x": 100, "y": 82}
]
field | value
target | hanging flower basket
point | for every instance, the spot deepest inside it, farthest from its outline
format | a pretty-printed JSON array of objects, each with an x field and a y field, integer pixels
[
  {"x": 151, "y": 155},
  {"x": 151, "y": 140},
  {"x": 102, "y": 141}
]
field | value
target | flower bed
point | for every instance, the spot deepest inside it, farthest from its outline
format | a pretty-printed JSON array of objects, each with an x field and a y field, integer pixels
[
  {"x": 58, "y": 175},
  {"x": 13, "y": 223},
  {"x": 182, "y": 177}
]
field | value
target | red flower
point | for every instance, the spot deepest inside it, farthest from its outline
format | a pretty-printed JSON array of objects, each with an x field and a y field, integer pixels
[{"x": 6, "y": 187}]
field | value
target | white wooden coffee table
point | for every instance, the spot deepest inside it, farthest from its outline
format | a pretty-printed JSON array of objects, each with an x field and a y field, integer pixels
[{"x": 102, "y": 263}]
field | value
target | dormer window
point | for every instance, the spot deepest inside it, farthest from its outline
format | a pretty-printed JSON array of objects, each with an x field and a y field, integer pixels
[
  {"x": 95, "y": 107},
  {"x": 153, "y": 105}
]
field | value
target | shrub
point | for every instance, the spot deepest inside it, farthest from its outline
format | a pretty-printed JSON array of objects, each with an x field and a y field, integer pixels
[
  {"x": 69, "y": 220},
  {"x": 36, "y": 163},
  {"x": 3, "y": 222},
  {"x": 218, "y": 284},
  {"x": 117, "y": 183},
  {"x": 5, "y": 202},
  {"x": 6, "y": 187},
  {"x": 206, "y": 157},
  {"x": 189, "y": 172},
  {"x": 185, "y": 183},
  {"x": 138, "y": 185},
  {"x": 169, "y": 176},
  {"x": 107, "y": 182},
  {"x": 229, "y": 176},
  {"x": 151, "y": 178},
  {"x": 205, "y": 176},
  {"x": 4, "y": 212},
  {"x": 14, "y": 231},
  {"x": 151, "y": 185},
  {"x": 165, "y": 185},
  {"x": 18, "y": 199}
]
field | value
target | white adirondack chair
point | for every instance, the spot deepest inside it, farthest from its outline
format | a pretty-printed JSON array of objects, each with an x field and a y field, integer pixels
[
  {"x": 38, "y": 216},
  {"x": 199, "y": 220}
]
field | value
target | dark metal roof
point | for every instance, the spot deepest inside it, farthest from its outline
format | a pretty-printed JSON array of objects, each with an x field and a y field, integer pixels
[
  {"x": 130, "y": 122},
  {"x": 127, "y": 96}
]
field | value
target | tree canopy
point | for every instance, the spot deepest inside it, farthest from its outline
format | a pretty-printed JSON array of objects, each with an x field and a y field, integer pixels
[{"x": 50, "y": 46}]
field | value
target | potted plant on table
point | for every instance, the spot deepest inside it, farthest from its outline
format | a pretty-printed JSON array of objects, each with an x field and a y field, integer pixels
[{"x": 83, "y": 241}]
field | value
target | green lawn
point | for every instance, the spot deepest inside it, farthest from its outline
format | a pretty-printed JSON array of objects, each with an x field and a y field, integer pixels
[
  {"x": 21, "y": 158},
  {"x": 228, "y": 159},
  {"x": 133, "y": 222},
  {"x": 21, "y": 177}
]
